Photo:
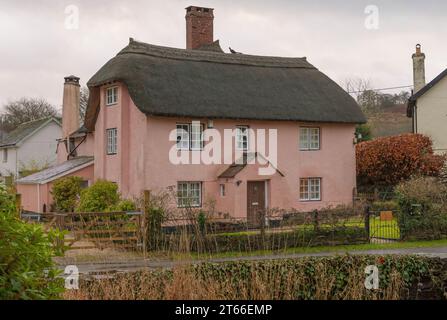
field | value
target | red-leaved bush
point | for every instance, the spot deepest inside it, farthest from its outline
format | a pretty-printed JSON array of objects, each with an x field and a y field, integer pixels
[{"x": 389, "y": 160}]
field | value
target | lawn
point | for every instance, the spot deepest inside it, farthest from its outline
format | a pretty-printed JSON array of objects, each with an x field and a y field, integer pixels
[
  {"x": 378, "y": 228},
  {"x": 329, "y": 249}
]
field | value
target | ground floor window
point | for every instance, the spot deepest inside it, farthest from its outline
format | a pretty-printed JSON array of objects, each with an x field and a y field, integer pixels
[
  {"x": 189, "y": 194},
  {"x": 310, "y": 189},
  {"x": 222, "y": 190}
]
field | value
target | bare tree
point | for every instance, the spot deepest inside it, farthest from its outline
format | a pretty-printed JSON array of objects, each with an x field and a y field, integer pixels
[
  {"x": 83, "y": 102},
  {"x": 24, "y": 110}
]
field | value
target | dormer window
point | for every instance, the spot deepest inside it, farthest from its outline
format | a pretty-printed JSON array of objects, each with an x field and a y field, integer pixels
[{"x": 111, "y": 96}]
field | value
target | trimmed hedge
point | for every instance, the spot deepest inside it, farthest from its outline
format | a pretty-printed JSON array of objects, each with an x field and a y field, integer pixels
[
  {"x": 423, "y": 209},
  {"x": 310, "y": 278},
  {"x": 249, "y": 241}
]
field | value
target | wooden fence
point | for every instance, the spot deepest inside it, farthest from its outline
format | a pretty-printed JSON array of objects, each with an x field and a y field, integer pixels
[{"x": 95, "y": 229}]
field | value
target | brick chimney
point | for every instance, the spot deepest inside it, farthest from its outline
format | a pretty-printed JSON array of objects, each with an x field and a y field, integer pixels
[
  {"x": 70, "y": 106},
  {"x": 199, "y": 27},
  {"x": 418, "y": 69}
]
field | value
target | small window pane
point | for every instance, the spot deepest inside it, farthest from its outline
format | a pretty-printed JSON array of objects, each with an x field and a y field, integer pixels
[
  {"x": 222, "y": 190},
  {"x": 196, "y": 136},
  {"x": 309, "y": 138},
  {"x": 183, "y": 136},
  {"x": 112, "y": 95},
  {"x": 304, "y": 138},
  {"x": 112, "y": 139},
  {"x": 189, "y": 194},
  {"x": 310, "y": 189},
  {"x": 242, "y": 138}
]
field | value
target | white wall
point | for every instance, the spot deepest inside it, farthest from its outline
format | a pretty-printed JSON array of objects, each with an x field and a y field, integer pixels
[
  {"x": 38, "y": 149},
  {"x": 8, "y": 168},
  {"x": 432, "y": 115}
]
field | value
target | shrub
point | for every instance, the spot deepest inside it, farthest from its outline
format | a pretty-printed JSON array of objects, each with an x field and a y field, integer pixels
[
  {"x": 389, "y": 160},
  {"x": 66, "y": 192},
  {"x": 423, "y": 208},
  {"x": 310, "y": 278},
  {"x": 27, "y": 270},
  {"x": 126, "y": 205},
  {"x": 365, "y": 131},
  {"x": 101, "y": 196}
]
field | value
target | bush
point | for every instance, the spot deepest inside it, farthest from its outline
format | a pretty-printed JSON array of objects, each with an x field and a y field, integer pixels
[
  {"x": 365, "y": 131},
  {"x": 27, "y": 270},
  {"x": 101, "y": 196},
  {"x": 309, "y": 278},
  {"x": 125, "y": 205},
  {"x": 390, "y": 160},
  {"x": 66, "y": 192},
  {"x": 423, "y": 208}
]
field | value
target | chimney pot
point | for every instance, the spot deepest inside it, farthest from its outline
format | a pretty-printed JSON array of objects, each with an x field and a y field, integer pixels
[{"x": 199, "y": 27}]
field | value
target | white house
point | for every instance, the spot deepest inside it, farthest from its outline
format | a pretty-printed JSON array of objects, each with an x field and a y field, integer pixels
[
  {"x": 31, "y": 145},
  {"x": 428, "y": 104}
]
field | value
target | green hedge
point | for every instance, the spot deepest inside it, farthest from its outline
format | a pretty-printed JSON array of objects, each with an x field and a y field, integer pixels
[
  {"x": 423, "y": 209},
  {"x": 310, "y": 278}
]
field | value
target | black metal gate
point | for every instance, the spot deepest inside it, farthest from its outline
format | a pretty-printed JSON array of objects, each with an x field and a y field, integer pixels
[{"x": 382, "y": 225}]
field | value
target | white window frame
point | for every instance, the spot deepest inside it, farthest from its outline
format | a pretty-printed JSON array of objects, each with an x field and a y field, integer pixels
[
  {"x": 310, "y": 189},
  {"x": 112, "y": 141},
  {"x": 185, "y": 196},
  {"x": 222, "y": 190},
  {"x": 241, "y": 132},
  {"x": 111, "y": 96},
  {"x": 5, "y": 155},
  {"x": 310, "y": 138},
  {"x": 190, "y": 139}
]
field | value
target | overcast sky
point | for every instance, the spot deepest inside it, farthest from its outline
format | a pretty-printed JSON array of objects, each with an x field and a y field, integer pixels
[{"x": 37, "y": 50}]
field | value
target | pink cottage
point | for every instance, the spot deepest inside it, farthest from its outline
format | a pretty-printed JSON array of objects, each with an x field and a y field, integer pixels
[{"x": 152, "y": 111}]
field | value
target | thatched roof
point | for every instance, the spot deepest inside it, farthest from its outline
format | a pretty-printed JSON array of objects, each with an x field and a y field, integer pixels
[{"x": 204, "y": 84}]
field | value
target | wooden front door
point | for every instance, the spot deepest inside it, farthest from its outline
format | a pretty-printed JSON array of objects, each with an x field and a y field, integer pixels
[{"x": 255, "y": 202}]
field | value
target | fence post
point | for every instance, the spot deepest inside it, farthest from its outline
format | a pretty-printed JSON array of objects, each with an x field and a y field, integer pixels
[
  {"x": 144, "y": 222},
  {"x": 367, "y": 221},
  {"x": 262, "y": 218},
  {"x": 316, "y": 221}
]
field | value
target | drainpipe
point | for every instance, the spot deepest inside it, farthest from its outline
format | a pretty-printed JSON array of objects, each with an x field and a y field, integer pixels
[{"x": 415, "y": 122}]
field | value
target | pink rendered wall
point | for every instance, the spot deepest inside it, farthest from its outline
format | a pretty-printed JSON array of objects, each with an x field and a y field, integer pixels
[
  {"x": 86, "y": 148},
  {"x": 143, "y": 162},
  {"x": 34, "y": 196}
]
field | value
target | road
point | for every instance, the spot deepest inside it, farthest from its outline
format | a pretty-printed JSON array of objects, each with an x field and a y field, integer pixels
[{"x": 150, "y": 264}]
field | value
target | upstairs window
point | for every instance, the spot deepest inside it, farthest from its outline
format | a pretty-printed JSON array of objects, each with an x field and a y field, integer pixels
[
  {"x": 5, "y": 155},
  {"x": 309, "y": 138},
  {"x": 310, "y": 189},
  {"x": 190, "y": 136},
  {"x": 112, "y": 141},
  {"x": 242, "y": 138},
  {"x": 111, "y": 96},
  {"x": 189, "y": 194}
]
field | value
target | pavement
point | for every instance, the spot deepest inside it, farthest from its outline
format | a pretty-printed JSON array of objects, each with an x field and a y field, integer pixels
[{"x": 87, "y": 268}]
